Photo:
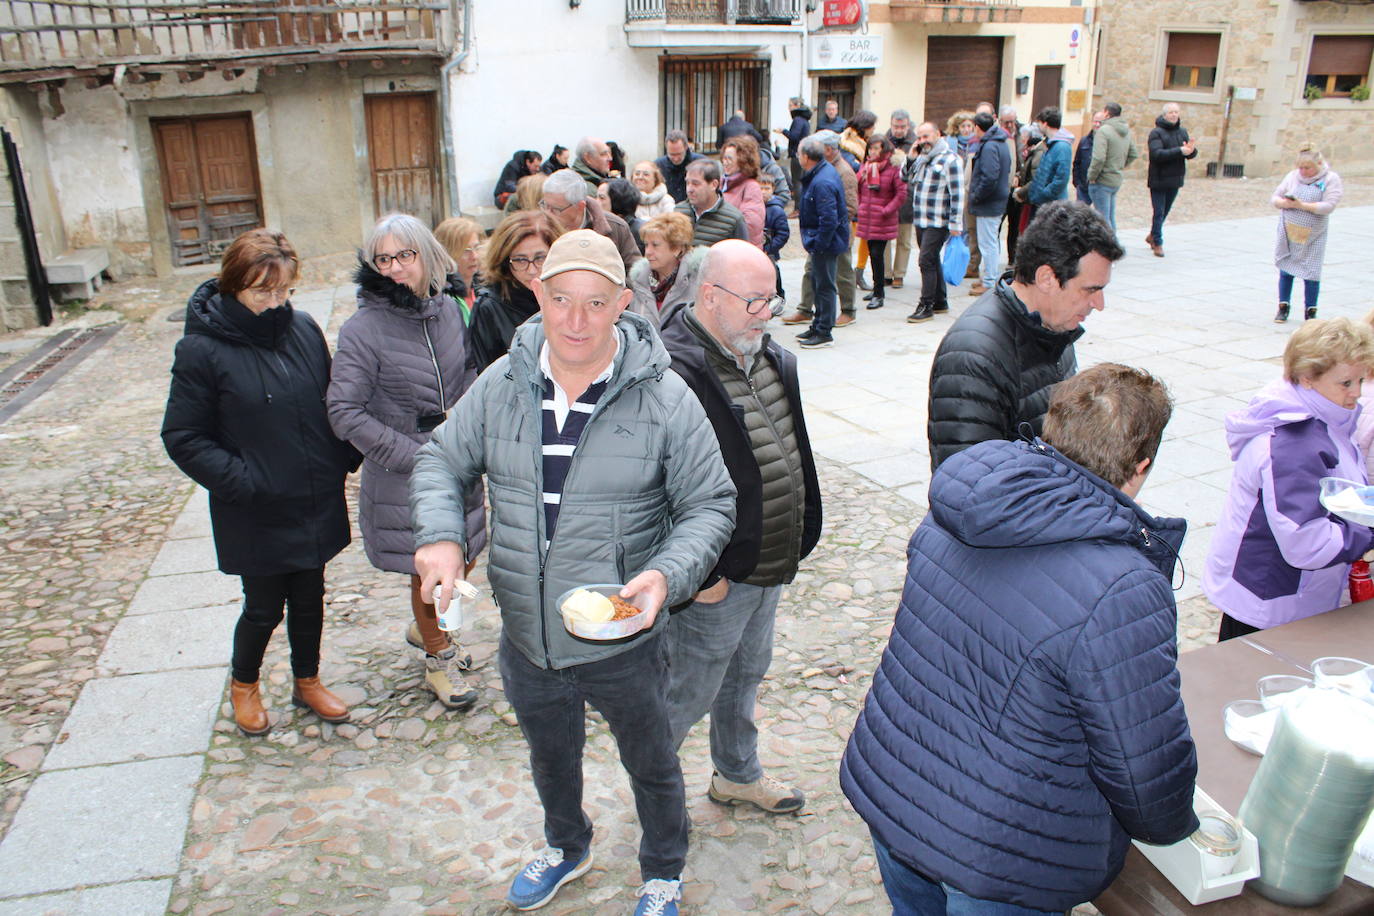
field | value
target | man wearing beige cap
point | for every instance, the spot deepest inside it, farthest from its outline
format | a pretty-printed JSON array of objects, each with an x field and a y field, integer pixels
[{"x": 601, "y": 467}]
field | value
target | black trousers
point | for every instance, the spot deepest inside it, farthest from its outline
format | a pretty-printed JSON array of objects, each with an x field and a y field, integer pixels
[
  {"x": 1232, "y": 628},
  {"x": 930, "y": 242},
  {"x": 877, "y": 249},
  {"x": 302, "y": 595}
]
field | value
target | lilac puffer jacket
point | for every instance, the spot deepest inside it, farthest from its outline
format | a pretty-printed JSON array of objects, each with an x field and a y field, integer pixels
[{"x": 1277, "y": 555}]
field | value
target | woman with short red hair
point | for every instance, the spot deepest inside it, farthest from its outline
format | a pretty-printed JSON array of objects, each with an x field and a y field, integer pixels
[{"x": 246, "y": 420}]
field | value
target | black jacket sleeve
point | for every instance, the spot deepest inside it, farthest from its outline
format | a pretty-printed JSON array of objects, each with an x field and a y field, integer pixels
[{"x": 190, "y": 427}]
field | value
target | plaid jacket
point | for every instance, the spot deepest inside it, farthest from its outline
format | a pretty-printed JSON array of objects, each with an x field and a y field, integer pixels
[{"x": 937, "y": 187}]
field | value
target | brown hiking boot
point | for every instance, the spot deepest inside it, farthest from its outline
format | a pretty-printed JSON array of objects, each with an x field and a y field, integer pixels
[
  {"x": 249, "y": 715},
  {"x": 766, "y": 794}
]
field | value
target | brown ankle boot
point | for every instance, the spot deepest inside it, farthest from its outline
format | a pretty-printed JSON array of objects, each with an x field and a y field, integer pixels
[
  {"x": 248, "y": 712},
  {"x": 311, "y": 693}
]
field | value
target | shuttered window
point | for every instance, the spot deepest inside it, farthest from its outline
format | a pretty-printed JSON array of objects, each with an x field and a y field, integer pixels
[
  {"x": 1339, "y": 63},
  {"x": 1190, "y": 60}
]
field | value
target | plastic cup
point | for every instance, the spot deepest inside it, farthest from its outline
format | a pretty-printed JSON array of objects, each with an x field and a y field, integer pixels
[
  {"x": 1249, "y": 725},
  {"x": 452, "y": 618},
  {"x": 1276, "y": 690},
  {"x": 1349, "y": 675}
]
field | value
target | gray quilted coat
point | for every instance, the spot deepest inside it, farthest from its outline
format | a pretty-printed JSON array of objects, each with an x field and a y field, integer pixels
[
  {"x": 399, "y": 358},
  {"x": 647, "y": 489}
]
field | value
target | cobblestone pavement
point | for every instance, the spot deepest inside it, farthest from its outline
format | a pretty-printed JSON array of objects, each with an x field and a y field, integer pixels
[{"x": 412, "y": 809}]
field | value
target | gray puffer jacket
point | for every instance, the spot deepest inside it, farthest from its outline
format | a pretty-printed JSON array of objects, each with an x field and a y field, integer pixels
[
  {"x": 647, "y": 489},
  {"x": 684, "y": 288},
  {"x": 400, "y": 359}
]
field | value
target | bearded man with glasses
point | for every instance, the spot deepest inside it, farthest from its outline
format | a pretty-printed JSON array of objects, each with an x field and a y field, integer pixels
[{"x": 722, "y": 643}]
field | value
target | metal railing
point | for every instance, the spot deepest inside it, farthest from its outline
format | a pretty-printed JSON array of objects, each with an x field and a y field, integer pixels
[
  {"x": 971, "y": 3},
  {"x": 715, "y": 12},
  {"x": 53, "y": 34}
]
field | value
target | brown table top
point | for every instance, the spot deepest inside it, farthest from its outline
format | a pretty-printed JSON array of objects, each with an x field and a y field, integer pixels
[{"x": 1212, "y": 677}]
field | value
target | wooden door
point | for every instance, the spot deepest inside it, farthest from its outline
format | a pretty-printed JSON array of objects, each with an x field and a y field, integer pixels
[
  {"x": 960, "y": 73},
  {"x": 1048, "y": 82},
  {"x": 843, "y": 89},
  {"x": 209, "y": 183},
  {"x": 402, "y": 149}
]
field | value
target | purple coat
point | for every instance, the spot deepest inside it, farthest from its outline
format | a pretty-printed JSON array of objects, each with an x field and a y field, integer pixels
[{"x": 1276, "y": 554}]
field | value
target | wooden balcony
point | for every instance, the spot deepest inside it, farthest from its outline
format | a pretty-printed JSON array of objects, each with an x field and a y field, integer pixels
[
  {"x": 52, "y": 39},
  {"x": 714, "y": 12},
  {"x": 973, "y": 11}
]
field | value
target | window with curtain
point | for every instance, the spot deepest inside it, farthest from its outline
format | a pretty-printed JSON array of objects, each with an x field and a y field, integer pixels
[
  {"x": 1339, "y": 63},
  {"x": 1190, "y": 60}
]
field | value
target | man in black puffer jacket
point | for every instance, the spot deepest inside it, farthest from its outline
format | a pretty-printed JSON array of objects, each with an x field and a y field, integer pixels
[
  {"x": 1025, "y": 721},
  {"x": 1170, "y": 150},
  {"x": 996, "y": 364}
]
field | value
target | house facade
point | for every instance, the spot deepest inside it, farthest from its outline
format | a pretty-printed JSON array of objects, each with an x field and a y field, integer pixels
[{"x": 1255, "y": 79}]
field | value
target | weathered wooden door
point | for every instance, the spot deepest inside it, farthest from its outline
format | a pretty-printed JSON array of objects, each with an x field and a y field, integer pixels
[
  {"x": 1049, "y": 81},
  {"x": 209, "y": 183},
  {"x": 960, "y": 73},
  {"x": 401, "y": 146}
]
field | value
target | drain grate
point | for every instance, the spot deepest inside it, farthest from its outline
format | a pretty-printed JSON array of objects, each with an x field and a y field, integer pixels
[{"x": 29, "y": 378}]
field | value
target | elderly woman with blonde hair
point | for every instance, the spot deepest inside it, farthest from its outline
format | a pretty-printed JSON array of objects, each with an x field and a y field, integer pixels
[
  {"x": 1305, "y": 199},
  {"x": 1277, "y": 555},
  {"x": 401, "y": 364},
  {"x": 668, "y": 274},
  {"x": 654, "y": 199},
  {"x": 462, "y": 239}
]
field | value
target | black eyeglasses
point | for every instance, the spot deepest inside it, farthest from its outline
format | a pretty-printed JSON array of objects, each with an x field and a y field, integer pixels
[
  {"x": 757, "y": 305},
  {"x": 404, "y": 257},
  {"x": 520, "y": 262}
]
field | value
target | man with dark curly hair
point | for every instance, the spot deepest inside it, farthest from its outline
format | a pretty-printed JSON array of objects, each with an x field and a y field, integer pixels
[{"x": 996, "y": 365}]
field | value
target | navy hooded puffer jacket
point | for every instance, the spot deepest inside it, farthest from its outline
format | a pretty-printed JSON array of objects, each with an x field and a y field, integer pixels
[{"x": 1025, "y": 720}]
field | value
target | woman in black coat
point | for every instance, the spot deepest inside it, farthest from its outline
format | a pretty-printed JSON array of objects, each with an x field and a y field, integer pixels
[
  {"x": 524, "y": 162},
  {"x": 515, "y": 255},
  {"x": 246, "y": 420}
]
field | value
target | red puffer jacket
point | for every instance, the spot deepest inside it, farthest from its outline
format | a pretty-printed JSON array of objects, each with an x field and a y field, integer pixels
[{"x": 878, "y": 209}]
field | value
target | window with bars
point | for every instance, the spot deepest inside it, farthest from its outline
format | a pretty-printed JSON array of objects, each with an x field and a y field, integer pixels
[
  {"x": 1190, "y": 60},
  {"x": 1339, "y": 63},
  {"x": 700, "y": 94}
]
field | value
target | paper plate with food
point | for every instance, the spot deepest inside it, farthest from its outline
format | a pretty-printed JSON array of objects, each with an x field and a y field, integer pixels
[{"x": 598, "y": 612}]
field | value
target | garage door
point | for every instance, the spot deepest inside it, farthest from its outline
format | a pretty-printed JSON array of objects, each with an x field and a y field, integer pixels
[{"x": 960, "y": 73}]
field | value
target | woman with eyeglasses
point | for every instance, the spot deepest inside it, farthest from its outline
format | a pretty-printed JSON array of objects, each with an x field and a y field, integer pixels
[
  {"x": 402, "y": 362},
  {"x": 246, "y": 420},
  {"x": 515, "y": 255},
  {"x": 462, "y": 239}
]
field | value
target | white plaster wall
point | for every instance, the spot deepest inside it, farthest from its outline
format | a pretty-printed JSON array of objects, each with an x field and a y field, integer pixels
[
  {"x": 542, "y": 73},
  {"x": 96, "y": 176}
]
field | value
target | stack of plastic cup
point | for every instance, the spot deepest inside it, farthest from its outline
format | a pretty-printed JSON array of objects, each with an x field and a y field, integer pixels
[{"x": 1311, "y": 796}]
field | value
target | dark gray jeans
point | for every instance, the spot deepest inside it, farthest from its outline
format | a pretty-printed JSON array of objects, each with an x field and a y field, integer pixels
[
  {"x": 720, "y": 652},
  {"x": 630, "y": 692}
]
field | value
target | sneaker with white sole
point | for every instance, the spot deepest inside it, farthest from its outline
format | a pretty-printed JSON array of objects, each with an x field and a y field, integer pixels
[
  {"x": 540, "y": 879},
  {"x": 444, "y": 678},
  {"x": 659, "y": 897},
  {"x": 414, "y": 638},
  {"x": 766, "y": 794}
]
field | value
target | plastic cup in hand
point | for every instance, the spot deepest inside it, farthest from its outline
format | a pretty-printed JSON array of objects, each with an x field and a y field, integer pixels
[
  {"x": 1277, "y": 690},
  {"x": 452, "y": 617},
  {"x": 1350, "y": 675}
]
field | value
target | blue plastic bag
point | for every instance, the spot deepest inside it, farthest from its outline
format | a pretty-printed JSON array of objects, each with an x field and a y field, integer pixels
[{"x": 955, "y": 260}]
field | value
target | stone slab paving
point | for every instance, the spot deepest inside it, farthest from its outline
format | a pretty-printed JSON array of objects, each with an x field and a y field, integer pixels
[
  {"x": 100, "y": 825},
  {"x": 411, "y": 809}
]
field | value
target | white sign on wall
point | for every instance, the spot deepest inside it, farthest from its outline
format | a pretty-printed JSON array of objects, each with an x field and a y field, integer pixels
[{"x": 846, "y": 52}]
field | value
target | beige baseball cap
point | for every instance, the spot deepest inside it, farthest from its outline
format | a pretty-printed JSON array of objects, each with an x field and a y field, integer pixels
[{"x": 584, "y": 249}]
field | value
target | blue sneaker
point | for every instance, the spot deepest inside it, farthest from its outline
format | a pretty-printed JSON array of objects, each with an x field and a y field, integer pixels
[
  {"x": 540, "y": 880},
  {"x": 659, "y": 897}
]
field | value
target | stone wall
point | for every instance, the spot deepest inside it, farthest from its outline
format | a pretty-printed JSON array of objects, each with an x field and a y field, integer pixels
[
  {"x": 1264, "y": 48},
  {"x": 20, "y": 115}
]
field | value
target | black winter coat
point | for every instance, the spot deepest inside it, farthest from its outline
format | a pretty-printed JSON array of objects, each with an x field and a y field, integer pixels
[
  {"x": 1082, "y": 158},
  {"x": 246, "y": 420},
  {"x": 495, "y": 316},
  {"x": 992, "y": 372},
  {"x": 1168, "y": 164},
  {"x": 798, "y": 130},
  {"x": 511, "y": 173},
  {"x": 675, "y": 176},
  {"x": 741, "y": 554}
]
